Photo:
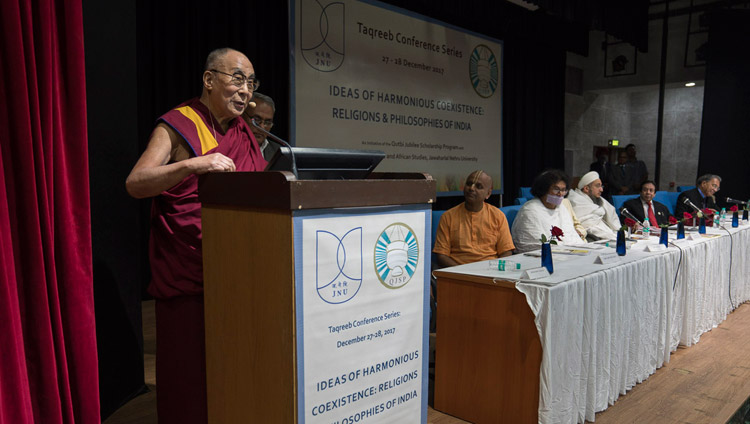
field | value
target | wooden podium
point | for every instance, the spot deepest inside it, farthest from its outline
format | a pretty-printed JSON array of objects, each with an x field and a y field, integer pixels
[
  {"x": 249, "y": 277},
  {"x": 487, "y": 351}
]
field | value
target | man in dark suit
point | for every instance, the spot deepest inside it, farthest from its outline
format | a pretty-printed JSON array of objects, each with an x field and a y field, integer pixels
[
  {"x": 262, "y": 113},
  {"x": 702, "y": 195},
  {"x": 602, "y": 167},
  {"x": 645, "y": 206},
  {"x": 621, "y": 176}
]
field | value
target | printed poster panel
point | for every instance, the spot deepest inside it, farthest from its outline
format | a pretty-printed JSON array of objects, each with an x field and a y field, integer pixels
[
  {"x": 361, "y": 324},
  {"x": 371, "y": 76}
]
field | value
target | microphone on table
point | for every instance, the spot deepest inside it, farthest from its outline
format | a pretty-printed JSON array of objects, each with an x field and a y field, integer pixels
[
  {"x": 740, "y": 202},
  {"x": 691, "y": 204},
  {"x": 626, "y": 212},
  {"x": 279, "y": 141}
]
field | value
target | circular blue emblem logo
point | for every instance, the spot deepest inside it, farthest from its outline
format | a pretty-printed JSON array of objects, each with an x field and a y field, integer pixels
[
  {"x": 484, "y": 71},
  {"x": 396, "y": 255}
]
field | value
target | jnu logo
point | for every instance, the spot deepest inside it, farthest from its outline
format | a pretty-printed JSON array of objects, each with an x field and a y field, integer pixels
[
  {"x": 483, "y": 71},
  {"x": 396, "y": 255},
  {"x": 321, "y": 34},
  {"x": 338, "y": 265}
]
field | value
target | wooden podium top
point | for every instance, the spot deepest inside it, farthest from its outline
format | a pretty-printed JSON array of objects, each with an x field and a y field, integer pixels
[{"x": 281, "y": 190}]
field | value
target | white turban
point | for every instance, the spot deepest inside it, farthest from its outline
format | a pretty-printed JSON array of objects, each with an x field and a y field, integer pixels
[{"x": 588, "y": 179}]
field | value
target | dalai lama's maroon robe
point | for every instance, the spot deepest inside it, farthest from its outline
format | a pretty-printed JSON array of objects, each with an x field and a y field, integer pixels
[{"x": 177, "y": 263}]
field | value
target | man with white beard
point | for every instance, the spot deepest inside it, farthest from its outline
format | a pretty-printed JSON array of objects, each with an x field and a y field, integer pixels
[{"x": 596, "y": 214}]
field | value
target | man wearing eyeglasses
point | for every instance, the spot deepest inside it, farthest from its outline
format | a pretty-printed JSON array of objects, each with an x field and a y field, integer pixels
[
  {"x": 262, "y": 113},
  {"x": 701, "y": 196},
  {"x": 597, "y": 215},
  {"x": 199, "y": 136}
]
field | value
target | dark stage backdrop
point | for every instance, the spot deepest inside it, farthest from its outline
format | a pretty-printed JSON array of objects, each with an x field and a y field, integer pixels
[
  {"x": 725, "y": 131},
  {"x": 142, "y": 59}
]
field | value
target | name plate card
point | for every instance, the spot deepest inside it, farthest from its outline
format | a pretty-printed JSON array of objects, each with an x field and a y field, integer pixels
[
  {"x": 656, "y": 248},
  {"x": 607, "y": 258},
  {"x": 535, "y": 273}
]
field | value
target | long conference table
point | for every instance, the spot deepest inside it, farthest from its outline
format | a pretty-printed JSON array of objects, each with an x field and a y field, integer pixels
[{"x": 561, "y": 348}]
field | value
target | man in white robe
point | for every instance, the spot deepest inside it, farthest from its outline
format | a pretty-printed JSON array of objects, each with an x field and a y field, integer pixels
[
  {"x": 538, "y": 215},
  {"x": 596, "y": 214}
]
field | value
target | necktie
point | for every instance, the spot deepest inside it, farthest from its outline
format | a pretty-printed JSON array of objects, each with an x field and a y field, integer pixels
[{"x": 651, "y": 216}]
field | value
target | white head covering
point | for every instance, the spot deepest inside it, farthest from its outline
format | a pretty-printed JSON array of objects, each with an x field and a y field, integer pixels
[{"x": 588, "y": 179}]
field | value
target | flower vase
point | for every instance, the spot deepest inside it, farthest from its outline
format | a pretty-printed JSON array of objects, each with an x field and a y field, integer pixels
[
  {"x": 680, "y": 230},
  {"x": 620, "y": 243},
  {"x": 547, "y": 257},
  {"x": 735, "y": 219},
  {"x": 702, "y": 225},
  {"x": 664, "y": 237},
  {"x": 744, "y": 215}
]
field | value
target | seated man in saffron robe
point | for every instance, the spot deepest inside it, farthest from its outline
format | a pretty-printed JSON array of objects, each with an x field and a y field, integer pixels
[
  {"x": 204, "y": 134},
  {"x": 473, "y": 231}
]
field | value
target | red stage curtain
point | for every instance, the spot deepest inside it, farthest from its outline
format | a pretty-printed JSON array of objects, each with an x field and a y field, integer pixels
[{"x": 48, "y": 364}]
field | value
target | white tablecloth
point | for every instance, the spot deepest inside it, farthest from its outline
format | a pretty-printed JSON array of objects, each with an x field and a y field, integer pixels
[{"x": 606, "y": 328}]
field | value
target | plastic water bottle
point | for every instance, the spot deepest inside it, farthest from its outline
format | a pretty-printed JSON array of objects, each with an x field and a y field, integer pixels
[
  {"x": 504, "y": 265},
  {"x": 646, "y": 227},
  {"x": 717, "y": 220},
  {"x": 723, "y": 214}
]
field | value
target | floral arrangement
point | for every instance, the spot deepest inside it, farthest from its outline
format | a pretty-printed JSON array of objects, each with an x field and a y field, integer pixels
[
  {"x": 733, "y": 208},
  {"x": 672, "y": 221},
  {"x": 686, "y": 216},
  {"x": 554, "y": 232},
  {"x": 629, "y": 223}
]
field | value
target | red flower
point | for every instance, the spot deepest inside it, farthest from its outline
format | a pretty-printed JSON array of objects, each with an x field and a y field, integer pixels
[
  {"x": 672, "y": 220},
  {"x": 687, "y": 215},
  {"x": 707, "y": 212},
  {"x": 629, "y": 222},
  {"x": 556, "y": 233},
  {"x": 733, "y": 208}
]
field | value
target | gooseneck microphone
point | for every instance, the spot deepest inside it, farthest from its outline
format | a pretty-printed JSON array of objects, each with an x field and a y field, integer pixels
[
  {"x": 739, "y": 202},
  {"x": 626, "y": 212},
  {"x": 691, "y": 204},
  {"x": 283, "y": 143}
]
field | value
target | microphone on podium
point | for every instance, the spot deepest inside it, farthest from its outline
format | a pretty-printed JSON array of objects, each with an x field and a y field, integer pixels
[
  {"x": 279, "y": 141},
  {"x": 740, "y": 202},
  {"x": 627, "y": 214}
]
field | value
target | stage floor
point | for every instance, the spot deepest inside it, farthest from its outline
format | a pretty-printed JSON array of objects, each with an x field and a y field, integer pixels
[{"x": 705, "y": 383}]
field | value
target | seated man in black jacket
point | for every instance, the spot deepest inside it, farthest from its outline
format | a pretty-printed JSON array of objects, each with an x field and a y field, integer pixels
[
  {"x": 701, "y": 196},
  {"x": 646, "y": 207}
]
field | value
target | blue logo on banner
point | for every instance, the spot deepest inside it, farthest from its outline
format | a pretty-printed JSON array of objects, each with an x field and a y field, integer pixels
[
  {"x": 321, "y": 34},
  {"x": 338, "y": 265},
  {"x": 396, "y": 255},
  {"x": 483, "y": 71}
]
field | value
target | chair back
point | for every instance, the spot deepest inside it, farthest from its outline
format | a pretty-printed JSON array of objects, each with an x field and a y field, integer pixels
[
  {"x": 680, "y": 189},
  {"x": 668, "y": 198},
  {"x": 525, "y": 192},
  {"x": 619, "y": 199},
  {"x": 510, "y": 213}
]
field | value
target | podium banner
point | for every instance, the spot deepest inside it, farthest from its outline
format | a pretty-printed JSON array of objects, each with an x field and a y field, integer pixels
[
  {"x": 366, "y": 75},
  {"x": 362, "y": 314}
]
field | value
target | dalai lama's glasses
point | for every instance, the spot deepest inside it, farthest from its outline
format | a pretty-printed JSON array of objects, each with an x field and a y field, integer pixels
[{"x": 239, "y": 79}]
